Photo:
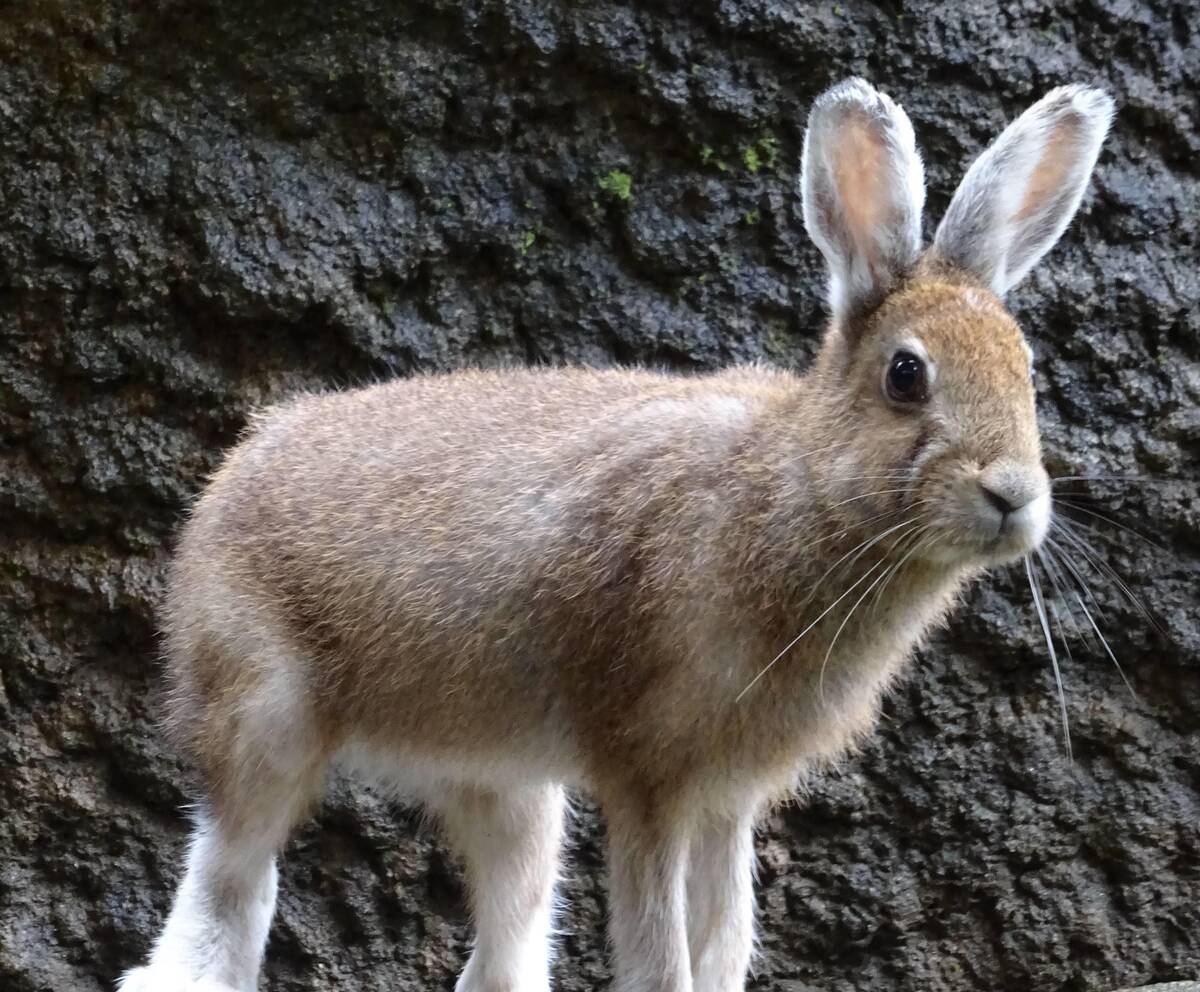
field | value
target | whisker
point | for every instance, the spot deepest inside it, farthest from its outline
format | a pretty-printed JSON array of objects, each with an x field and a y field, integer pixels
[
  {"x": 1100, "y": 516},
  {"x": 1096, "y": 560},
  {"x": 1147, "y": 479},
  {"x": 899, "y": 476},
  {"x": 1036, "y": 589},
  {"x": 1082, "y": 583},
  {"x": 1120, "y": 670},
  {"x": 879, "y": 492},
  {"x": 795, "y": 640},
  {"x": 829, "y": 447},
  {"x": 843, "y": 531},
  {"x": 1053, "y": 608},
  {"x": 861, "y": 549},
  {"x": 866, "y": 545},
  {"x": 917, "y": 544},
  {"x": 838, "y": 633},
  {"x": 857, "y": 524},
  {"x": 1080, "y": 579},
  {"x": 1058, "y": 579}
]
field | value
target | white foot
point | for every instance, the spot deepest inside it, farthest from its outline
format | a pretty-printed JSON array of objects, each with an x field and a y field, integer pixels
[{"x": 160, "y": 978}]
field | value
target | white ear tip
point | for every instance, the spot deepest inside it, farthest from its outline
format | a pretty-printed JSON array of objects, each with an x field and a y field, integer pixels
[
  {"x": 855, "y": 89},
  {"x": 1090, "y": 102},
  {"x": 1097, "y": 105},
  {"x": 855, "y": 97},
  {"x": 854, "y": 92}
]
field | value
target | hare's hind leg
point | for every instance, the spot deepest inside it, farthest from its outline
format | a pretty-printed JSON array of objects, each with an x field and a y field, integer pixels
[
  {"x": 263, "y": 766},
  {"x": 509, "y": 843}
]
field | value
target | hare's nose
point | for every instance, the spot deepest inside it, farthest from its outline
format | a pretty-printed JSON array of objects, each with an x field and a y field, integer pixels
[
  {"x": 1012, "y": 501},
  {"x": 1008, "y": 486},
  {"x": 1004, "y": 502}
]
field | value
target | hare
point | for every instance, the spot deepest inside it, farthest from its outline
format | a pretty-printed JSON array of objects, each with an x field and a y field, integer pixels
[{"x": 682, "y": 594}]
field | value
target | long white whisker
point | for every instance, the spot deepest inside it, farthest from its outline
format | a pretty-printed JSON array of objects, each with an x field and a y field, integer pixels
[
  {"x": 894, "y": 476},
  {"x": 916, "y": 519},
  {"x": 861, "y": 549},
  {"x": 1109, "y": 520},
  {"x": 842, "y": 626},
  {"x": 829, "y": 447},
  {"x": 1050, "y": 563},
  {"x": 1149, "y": 480},
  {"x": 1096, "y": 560},
  {"x": 1050, "y": 604},
  {"x": 1120, "y": 670},
  {"x": 843, "y": 531},
  {"x": 916, "y": 545},
  {"x": 1036, "y": 589},
  {"x": 796, "y": 640},
  {"x": 1080, "y": 581},
  {"x": 878, "y": 492},
  {"x": 882, "y": 577}
]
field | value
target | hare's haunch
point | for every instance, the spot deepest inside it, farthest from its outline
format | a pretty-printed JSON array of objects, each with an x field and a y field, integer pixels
[{"x": 681, "y": 594}]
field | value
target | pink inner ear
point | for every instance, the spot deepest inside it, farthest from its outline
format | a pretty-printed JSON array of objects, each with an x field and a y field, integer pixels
[
  {"x": 1059, "y": 158},
  {"x": 858, "y": 174}
]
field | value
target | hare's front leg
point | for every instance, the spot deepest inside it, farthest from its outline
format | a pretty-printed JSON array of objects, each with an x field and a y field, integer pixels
[
  {"x": 720, "y": 891},
  {"x": 509, "y": 843},
  {"x": 648, "y": 852}
]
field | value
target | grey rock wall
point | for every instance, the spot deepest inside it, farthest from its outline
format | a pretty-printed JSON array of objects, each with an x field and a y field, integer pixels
[{"x": 206, "y": 204}]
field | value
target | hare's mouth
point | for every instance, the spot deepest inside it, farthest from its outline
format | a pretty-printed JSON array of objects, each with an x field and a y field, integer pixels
[
  {"x": 978, "y": 532},
  {"x": 1016, "y": 531}
]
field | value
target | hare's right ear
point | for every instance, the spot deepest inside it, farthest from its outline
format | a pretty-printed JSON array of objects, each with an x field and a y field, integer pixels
[
  {"x": 863, "y": 187},
  {"x": 1020, "y": 194}
]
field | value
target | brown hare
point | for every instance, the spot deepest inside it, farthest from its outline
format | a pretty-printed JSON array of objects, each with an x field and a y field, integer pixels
[{"x": 678, "y": 593}]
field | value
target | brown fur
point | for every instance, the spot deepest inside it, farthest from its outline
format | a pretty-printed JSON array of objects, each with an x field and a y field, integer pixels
[{"x": 531, "y": 562}]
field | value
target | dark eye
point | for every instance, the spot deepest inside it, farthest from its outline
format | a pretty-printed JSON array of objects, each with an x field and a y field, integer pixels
[{"x": 906, "y": 380}]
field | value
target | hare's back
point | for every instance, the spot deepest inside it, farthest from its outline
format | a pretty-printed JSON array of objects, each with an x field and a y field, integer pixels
[{"x": 459, "y": 479}]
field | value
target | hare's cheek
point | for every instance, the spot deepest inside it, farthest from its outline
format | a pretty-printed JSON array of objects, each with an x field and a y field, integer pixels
[{"x": 924, "y": 449}]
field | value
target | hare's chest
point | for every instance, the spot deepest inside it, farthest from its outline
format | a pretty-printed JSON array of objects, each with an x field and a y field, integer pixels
[{"x": 822, "y": 697}]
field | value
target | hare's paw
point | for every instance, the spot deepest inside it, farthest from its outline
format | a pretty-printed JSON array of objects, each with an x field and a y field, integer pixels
[{"x": 159, "y": 978}]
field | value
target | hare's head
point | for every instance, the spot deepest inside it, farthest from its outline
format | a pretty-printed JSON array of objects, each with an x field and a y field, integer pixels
[{"x": 931, "y": 371}]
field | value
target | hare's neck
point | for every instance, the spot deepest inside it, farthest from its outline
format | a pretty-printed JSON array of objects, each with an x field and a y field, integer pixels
[{"x": 803, "y": 534}]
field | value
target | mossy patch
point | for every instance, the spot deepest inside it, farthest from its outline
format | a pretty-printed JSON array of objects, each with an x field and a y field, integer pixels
[
  {"x": 617, "y": 184},
  {"x": 762, "y": 154}
]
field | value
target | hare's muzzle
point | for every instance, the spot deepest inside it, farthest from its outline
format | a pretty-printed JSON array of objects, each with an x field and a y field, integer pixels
[{"x": 1012, "y": 508}]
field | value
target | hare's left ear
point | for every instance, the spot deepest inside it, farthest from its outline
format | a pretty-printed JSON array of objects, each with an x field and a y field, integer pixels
[
  {"x": 1021, "y": 193},
  {"x": 863, "y": 188}
]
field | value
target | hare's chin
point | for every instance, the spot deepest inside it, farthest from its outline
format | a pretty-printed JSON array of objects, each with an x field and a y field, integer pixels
[
  {"x": 979, "y": 552},
  {"x": 992, "y": 540},
  {"x": 1005, "y": 552}
]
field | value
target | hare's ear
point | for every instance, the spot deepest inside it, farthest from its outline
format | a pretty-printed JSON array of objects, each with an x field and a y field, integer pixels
[
  {"x": 1020, "y": 194},
  {"x": 863, "y": 188}
]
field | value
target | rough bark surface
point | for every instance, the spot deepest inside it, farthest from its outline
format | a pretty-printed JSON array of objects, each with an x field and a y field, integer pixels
[{"x": 206, "y": 205}]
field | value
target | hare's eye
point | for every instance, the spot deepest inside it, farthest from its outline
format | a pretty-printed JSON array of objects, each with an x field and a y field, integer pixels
[{"x": 906, "y": 381}]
